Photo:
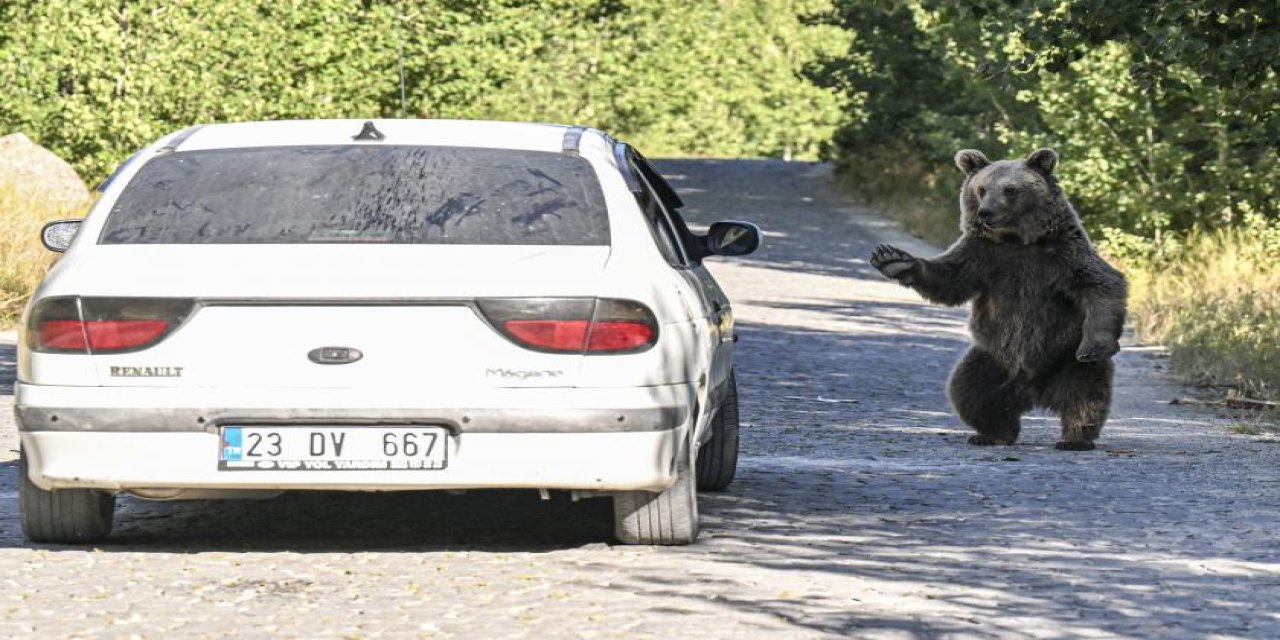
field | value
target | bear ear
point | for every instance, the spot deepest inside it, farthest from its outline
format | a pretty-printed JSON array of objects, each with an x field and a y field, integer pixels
[
  {"x": 971, "y": 161},
  {"x": 1043, "y": 160}
]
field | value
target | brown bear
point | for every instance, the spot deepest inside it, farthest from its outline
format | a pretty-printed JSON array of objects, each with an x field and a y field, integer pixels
[{"x": 1046, "y": 309}]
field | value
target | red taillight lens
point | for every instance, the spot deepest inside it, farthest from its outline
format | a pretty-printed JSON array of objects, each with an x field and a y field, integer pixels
[
  {"x": 573, "y": 325},
  {"x": 619, "y": 336},
  {"x": 61, "y": 335},
  {"x": 100, "y": 335},
  {"x": 553, "y": 335},
  {"x": 103, "y": 325},
  {"x": 111, "y": 335}
]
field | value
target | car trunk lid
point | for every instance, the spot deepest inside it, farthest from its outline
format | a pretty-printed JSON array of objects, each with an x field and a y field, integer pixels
[{"x": 336, "y": 316}]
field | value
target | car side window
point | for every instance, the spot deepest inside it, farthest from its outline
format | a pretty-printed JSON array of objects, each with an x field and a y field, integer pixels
[
  {"x": 671, "y": 203},
  {"x": 658, "y": 219}
]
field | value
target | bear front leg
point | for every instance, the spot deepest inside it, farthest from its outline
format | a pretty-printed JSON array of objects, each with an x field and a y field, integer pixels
[
  {"x": 987, "y": 399},
  {"x": 945, "y": 279},
  {"x": 1104, "y": 302},
  {"x": 1103, "y": 323}
]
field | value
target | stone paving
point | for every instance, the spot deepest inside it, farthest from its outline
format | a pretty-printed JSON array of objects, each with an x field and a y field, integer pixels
[{"x": 859, "y": 511}]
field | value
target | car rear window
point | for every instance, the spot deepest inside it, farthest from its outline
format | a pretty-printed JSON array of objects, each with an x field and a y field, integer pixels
[{"x": 362, "y": 194}]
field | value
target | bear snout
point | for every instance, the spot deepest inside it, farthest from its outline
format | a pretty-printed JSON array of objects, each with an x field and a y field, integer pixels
[{"x": 986, "y": 216}]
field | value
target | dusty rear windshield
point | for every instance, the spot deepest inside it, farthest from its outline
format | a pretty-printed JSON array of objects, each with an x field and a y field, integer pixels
[{"x": 361, "y": 194}]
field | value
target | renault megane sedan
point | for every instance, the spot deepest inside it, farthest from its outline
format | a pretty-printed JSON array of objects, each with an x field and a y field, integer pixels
[{"x": 375, "y": 306}]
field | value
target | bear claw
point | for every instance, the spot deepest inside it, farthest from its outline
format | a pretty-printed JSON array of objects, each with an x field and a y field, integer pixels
[
  {"x": 891, "y": 261},
  {"x": 1075, "y": 445}
]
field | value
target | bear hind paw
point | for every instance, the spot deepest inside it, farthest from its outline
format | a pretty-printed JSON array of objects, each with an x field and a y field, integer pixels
[
  {"x": 983, "y": 440},
  {"x": 1075, "y": 445}
]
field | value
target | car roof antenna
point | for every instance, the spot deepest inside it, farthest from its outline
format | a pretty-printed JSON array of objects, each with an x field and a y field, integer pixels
[{"x": 369, "y": 132}]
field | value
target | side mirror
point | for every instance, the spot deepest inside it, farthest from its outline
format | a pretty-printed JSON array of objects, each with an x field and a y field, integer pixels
[
  {"x": 57, "y": 235},
  {"x": 733, "y": 238}
]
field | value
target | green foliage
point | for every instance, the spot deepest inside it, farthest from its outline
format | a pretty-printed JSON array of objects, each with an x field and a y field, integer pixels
[
  {"x": 1164, "y": 112},
  {"x": 705, "y": 77},
  {"x": 95, "y": 80}
]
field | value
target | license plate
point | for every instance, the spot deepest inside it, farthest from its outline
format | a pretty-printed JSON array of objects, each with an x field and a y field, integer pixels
[{"x": 319, "y": 448}]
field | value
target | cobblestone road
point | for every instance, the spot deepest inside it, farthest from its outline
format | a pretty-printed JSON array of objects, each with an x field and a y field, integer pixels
[{"x": 859, "y": 510}]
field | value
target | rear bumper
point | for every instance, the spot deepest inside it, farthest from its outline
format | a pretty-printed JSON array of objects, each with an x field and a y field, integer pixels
[
  {"x": 162, "y": 461},
  {"x": 160, "y": 439},
  {"x": 496, "y": 410}
]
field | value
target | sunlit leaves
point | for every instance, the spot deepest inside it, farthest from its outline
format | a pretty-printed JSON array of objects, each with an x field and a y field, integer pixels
[
  {"x": 1165, "y": 111},
  {"x": 95, "y": 80}
]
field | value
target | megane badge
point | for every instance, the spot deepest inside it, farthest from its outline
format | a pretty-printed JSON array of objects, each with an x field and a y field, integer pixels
[{"x": 334, "y": 355}]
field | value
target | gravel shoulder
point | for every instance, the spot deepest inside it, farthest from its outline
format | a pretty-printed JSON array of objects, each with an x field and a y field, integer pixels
[{"x": 859, "y": 511}]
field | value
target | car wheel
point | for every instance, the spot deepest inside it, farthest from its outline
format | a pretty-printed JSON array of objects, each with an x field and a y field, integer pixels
[
  {"x": 66, "y": 516},
  {"x": 718, "y": 458},
  {"x": 667, "y": 518}
]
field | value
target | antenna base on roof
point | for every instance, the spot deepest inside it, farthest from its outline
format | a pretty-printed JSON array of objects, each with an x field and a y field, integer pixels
[{"x": 369, "y": 132}]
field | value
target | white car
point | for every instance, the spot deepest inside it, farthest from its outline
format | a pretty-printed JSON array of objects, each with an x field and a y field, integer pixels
[{"x": 373, "y": 306}]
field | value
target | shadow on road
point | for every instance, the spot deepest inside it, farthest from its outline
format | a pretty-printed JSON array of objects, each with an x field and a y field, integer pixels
[
  {"x": 1077, "y": 566},
  {"x": 343, "y": 521},
  {"x": 327, "y": 521}
]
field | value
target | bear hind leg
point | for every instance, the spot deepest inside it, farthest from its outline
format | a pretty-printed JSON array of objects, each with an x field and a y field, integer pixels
[
  {"x": 1081, "y": 396},
  {"x": 987, "y": 399}
]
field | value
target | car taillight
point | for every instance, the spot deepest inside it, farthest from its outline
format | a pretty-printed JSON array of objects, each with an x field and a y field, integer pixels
[
  {"x": 103, "y": 325},
  {"x": 620, "y": 335},
  {"x": 573, "y": 325},
  {"x": 554, "y": 335}
]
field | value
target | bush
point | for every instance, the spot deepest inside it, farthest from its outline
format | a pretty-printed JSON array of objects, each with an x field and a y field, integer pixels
[
  {"x": 23, "y": 260},
  {"x": 1214, "y": 299},
  {"x": 94, "y": 80},
  {"x": 1163, "y": 112}
]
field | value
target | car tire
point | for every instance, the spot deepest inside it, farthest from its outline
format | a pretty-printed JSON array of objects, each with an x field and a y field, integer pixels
[
  {"x": 667, "y": 518},
  {"x": 718, "y": 457},
  {"x": 64, "y": 516}
]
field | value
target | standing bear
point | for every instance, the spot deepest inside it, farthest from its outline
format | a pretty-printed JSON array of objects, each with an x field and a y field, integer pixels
[{"x": 1046, "y": 312}]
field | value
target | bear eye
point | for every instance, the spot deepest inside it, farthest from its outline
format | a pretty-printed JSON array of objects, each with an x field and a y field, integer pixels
[
  {"x": 982, "y": 191},
  {"x": 1009, "y": 192}
]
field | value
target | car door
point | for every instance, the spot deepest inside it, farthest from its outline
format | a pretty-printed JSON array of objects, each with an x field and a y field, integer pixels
[{"x": 686, "y": 258}]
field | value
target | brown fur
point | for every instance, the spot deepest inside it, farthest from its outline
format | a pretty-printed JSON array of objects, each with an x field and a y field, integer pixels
[{"x": 1046, "y": 309}]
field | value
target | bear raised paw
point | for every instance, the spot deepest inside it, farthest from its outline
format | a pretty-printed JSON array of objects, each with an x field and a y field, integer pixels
[
  {"x": 892, "y": 262},
  {"x": 1046, "y": 310}
]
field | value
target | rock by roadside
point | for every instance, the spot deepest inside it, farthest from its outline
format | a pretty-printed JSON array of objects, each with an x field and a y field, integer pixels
[{"x": 37, "y": 174}]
